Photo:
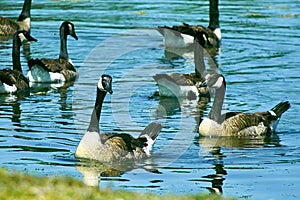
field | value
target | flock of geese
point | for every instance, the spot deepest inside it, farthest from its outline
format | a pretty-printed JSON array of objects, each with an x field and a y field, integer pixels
[{"x": 111, "y": 147}]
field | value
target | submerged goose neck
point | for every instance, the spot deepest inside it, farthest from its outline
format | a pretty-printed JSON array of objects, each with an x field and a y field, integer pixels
[
  {"x": 214, "y": 14},
  {"x": 63, "y": 44},
  {"x": 25, "y": 11},
  {"x": 215, "y": 112},
  {"x": 16, "y": 54},
  {"x": 95, "y": 118},
  {"x": 199, "y": 59}
]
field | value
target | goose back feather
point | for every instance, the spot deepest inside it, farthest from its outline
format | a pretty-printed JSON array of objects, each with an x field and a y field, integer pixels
[{"x": 8, "y": 27}]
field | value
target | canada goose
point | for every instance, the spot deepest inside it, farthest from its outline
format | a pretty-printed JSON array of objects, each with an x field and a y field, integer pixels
[
  {"x": 183, "y": 35},
  {"x": 8, "y": 27},
  {"x": 12, "y": 81},
  {"x": 185, "y": 85},
  {"x": 55, "y": 70},
  {"x": 112, "y": 147},
  {"x": 237, "y": 123}
]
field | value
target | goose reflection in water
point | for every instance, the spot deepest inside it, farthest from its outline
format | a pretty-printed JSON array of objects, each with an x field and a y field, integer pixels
[
  {"x": 93, "y": 171},
  {"x": 11, "y": 100}
]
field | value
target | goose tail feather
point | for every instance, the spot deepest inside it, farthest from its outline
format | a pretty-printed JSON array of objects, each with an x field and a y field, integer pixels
[
  {"x": 152, "y": 130},
  {"x": 280, "y": 108},
  {"x": 150, "y": 133}
]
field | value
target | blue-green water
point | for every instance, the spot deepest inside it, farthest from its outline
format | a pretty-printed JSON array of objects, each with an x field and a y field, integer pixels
[{"x": 259, "y": 58}]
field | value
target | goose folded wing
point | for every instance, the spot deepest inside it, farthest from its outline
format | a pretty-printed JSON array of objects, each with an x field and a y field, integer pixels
[
  {"x": 237, "y": 124},
  {"x": 52, "y": 65}
]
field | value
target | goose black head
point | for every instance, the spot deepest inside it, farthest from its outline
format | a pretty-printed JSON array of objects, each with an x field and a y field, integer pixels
[
  {"x": 24, "y": 37},
  {"x": 214, "y": 80},
  {"x": 105, "y": 83},
  {"x": 69, "y": 29}
]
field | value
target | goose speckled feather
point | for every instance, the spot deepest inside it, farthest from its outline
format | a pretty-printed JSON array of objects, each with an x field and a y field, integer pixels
[{"x": 9, "y": 27}]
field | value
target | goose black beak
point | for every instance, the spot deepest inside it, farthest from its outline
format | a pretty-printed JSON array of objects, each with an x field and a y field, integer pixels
[
  {"x": 74, "y": 36},
  {"x": 31, "y": 39}
]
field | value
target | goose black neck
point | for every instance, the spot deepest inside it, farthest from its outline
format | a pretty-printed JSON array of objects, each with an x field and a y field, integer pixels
[
  {"x": 95, "y": 118},
  {"x": 214, "y": 14},
  {"x": 63, "y": 44},
  {"x": 16, "y": 54},
  {"x": 215, "y": 112},
  {"x": 25, "y": 11},
  {"x": 199, "y": 59}
]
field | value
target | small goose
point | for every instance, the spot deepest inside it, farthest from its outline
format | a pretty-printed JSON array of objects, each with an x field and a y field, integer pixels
[
  {"x": 182, "y": 36},
  {"x": 55, "y": 70},
  {"x": 112, "y": 147},
  {"x": 185, "y": 85},
  {"x": 12, "y": 81},
  {"x": 237, "y": 123},
  {"x": 8, "y": 27}
]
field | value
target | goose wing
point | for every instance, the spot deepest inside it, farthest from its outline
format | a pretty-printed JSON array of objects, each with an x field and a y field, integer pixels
[
  {"x": 194, "y": 30},
  {"x": 13, "y": 77},
  {"x": 123, "y": 146},
  {"x": 180, "y": 79},
  {"x": 55, "y": 66},
  {"x": 7, "y": 26},
  {"x": 52, "y": 65},
  {"x": 244, "y": 124}
]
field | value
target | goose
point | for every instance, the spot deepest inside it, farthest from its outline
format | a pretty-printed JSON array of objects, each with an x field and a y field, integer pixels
[
  {"x": 237, "y": 123},
  {"x": 182, "y": 36},
  {"x": 55, "y": 70},
  {"x": 185, "y": 85},
  {"x": 113, "y": 147},
  {"x": 8, "y": 27},
  {"x": 12, "y": 81}
]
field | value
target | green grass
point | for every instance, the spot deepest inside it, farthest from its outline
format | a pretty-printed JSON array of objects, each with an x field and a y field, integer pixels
[{"x": 17, "y": 185}]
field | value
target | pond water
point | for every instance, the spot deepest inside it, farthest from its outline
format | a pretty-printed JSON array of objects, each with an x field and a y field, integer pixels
[{"x": 259, "y": 58}]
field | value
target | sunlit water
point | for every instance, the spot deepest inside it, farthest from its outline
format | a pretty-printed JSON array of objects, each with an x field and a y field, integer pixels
[{"x": 259, "y": 58}]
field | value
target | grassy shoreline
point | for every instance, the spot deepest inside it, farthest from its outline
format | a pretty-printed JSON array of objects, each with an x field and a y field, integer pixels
[{"x": 19, "y": 185}]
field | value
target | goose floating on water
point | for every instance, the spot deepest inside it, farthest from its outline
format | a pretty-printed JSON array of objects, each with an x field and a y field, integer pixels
[
  {"x": 237, "y": 123},
  {"x": 55, "y": 70},
  {"x": 8, "y": 27},
  {"x": 113, "y": 147},
  {"x": 182, "y": 36},
  {"x": 12, "y": 81},
  {"x": 185, "y": 85}
]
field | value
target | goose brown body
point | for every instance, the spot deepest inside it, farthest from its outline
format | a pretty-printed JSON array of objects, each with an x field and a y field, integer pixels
[{"x": 238, "y": 123}]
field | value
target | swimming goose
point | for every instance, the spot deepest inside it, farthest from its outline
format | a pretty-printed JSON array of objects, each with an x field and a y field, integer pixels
[
  {"x": 12, "y": 81},
  {"x": 185, "y": 85},
  {"x": 237, "y": 123},
  {"x": 112, "y": 147},
  {"x": 8, "y": 27},
  {"x": 55, "y": 70},
  {"x": 183, "y": 35}
]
